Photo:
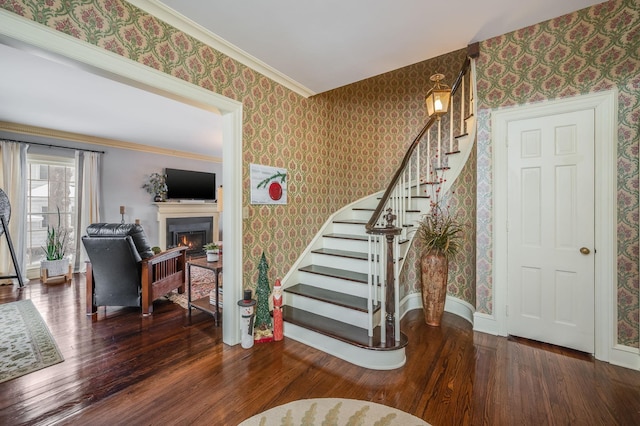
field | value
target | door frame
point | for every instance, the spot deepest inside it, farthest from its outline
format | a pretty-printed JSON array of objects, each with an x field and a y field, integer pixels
[
  {"x": 604, "y": 105},
  {"x": 41, "y": 40}
]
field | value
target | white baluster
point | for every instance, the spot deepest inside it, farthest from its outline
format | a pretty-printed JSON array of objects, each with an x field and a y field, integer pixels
[
  {"x": 428, "y": 156},
  {"x": 439, "y": 144},
  {"x": 383, "y": 312},
  {"x": 370, "y": 288},
  {"x": 451, "y": 126},
  {"x": 462, "y": 102},
  {"x": 418, "y": 178}
]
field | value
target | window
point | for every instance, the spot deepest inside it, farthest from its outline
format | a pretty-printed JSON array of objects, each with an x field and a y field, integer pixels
[{"x": 51, "y": 192}]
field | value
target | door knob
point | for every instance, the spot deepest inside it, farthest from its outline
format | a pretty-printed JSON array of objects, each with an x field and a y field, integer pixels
[{"x": 585, "y": 250}]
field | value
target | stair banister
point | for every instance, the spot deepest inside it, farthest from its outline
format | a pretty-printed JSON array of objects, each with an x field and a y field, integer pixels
[
  {"x": 375, "y": 217},
  {"x": 385, "y": 257}
]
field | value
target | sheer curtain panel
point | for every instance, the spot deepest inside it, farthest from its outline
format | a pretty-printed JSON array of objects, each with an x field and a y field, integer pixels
[
  {"x": 13, "y": 178},
  {"x": 88, "y": 196}
]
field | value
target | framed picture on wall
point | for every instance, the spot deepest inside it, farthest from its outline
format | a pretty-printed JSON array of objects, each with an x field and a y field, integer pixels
[{"x": 268, "y": 184}]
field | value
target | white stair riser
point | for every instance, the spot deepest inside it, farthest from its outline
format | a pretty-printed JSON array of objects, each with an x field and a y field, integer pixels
[
  {"x": 375, "y": 360},
  {"x": 334, "y": 284},
  {"x": 346, "y": 244},
  {"x": 355, "y": 265},
  {"x": 358, "y": 214},
  {"x": 329, "y": 310},
  {"x": 349, "y": 228}
]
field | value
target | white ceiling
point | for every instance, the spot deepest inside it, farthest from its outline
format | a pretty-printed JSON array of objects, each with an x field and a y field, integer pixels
[
  {"x": 314, "y": 45},
  {"x": 324, "y": 44},
  {"x": 41, "y": 92}
]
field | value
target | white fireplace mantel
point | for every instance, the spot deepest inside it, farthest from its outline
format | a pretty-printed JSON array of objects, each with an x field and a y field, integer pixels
[{"x": 171, "y": 209}]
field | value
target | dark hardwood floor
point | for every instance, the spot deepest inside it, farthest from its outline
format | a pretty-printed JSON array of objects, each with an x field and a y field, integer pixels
[{"x": 121, "y": 368}]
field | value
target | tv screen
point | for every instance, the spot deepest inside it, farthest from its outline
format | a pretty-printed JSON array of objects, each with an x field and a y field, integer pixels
[{"x": 190, "y": 185}]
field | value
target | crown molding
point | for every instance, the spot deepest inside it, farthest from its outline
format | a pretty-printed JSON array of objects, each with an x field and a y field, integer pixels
[
  {"x": 25, "y": 129},
  {"x": 197, "y": 31}
]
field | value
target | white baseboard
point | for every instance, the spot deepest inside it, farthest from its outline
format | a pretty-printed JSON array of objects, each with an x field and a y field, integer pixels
[
  {"x": 452, "y": 305},
  {"x": 485, "y": 323},
  {"x": 625, "y": 356},
  {"x": 460, "y": 308}
]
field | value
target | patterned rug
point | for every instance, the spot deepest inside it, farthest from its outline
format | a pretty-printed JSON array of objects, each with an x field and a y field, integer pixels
[
  {"x": 202, "y": 283},
  {"x": 26, "y": 345},
  {"x": 333, "y": 411}
]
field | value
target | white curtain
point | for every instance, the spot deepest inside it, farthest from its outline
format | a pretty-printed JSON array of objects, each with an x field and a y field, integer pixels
[
  {"x": 13, "y": 181},
  {"x": 88, "y": 196}
]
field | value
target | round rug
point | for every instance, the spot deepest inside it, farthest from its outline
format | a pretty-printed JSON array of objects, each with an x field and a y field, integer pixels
[{"x": 333, "y": 411}]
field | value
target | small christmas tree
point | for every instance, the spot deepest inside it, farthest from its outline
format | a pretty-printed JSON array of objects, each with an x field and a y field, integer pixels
[{"x": 263, "y": 291}]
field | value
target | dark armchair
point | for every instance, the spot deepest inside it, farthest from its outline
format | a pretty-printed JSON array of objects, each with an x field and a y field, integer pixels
[{"x": 123, "y": 271}]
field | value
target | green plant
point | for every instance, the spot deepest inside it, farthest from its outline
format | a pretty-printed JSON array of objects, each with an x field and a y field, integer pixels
[
  {"x": 439, "y": 231},
  {"x": 210, "y": 246},
  {"x": 156, "y": 185},
  {"x": 56, "y": 241},
  {"x": 156, "y": 249}
]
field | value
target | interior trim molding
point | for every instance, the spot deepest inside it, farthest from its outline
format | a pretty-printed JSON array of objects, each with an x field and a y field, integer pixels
[
  {"x": 44, "y": 41},
  {"x": 26, "y": 129},
  {"x": 604, "y": 106},
  {"x": 197, "y": 31}
]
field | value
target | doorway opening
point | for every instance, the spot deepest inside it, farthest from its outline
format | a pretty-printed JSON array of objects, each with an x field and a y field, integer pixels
[{"x": 46, "y": 42}]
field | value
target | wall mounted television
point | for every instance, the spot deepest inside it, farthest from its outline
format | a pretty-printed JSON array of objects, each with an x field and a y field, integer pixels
[{"x": 190, "y": 185}]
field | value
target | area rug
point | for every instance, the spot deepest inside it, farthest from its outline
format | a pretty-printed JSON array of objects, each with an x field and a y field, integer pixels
[
  {"x": 202, "y": 283},
  {"x": 26, "y": 345},
  {"x": 333, "y": 411}
]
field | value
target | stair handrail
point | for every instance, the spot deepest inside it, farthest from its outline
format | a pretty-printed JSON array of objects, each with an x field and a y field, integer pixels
[{"x": 375, "y": 217}]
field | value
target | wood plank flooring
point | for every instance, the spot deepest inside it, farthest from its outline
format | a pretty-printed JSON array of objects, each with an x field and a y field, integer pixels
[{"x": 121, "y": 368}]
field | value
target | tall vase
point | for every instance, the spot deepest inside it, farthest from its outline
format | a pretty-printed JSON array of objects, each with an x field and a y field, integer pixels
[{"x": 435, "y": 270}]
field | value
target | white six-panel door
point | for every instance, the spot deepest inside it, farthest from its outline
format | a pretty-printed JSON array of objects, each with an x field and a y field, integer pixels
[{"x": 551, "y": 229}]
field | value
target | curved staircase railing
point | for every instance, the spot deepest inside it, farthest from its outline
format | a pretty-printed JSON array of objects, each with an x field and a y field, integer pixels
[
  {"x": 342, "y": 294},
  {"x": 389, "y": 222}
]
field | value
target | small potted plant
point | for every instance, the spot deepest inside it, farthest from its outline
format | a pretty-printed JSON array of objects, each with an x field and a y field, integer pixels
[
  {"x": 55, "y": 262},
  {"x": 156, "y": 186},
  {"x": 213, "y": 251}
]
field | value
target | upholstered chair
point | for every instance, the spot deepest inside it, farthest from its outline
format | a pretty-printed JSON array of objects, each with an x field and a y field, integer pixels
[{"x": 123, "y": 271}]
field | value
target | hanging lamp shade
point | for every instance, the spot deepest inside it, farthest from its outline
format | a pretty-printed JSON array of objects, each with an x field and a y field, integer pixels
[{"x": 438, "y": 97}]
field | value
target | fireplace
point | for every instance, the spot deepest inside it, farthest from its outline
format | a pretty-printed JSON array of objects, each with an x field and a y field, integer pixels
[
  {"x": 168, "y": 211},
  {"x": 191, "y": 232}
]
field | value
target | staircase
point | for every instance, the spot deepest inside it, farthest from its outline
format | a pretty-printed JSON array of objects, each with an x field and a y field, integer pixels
[{"x": 342, "y": 294}]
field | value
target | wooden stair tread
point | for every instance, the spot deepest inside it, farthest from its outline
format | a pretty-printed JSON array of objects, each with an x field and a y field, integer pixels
[
  {"x": 339, "y": 330},
  {"x": 335, "y": 273},
  {"x": 342, "y": 253},
  {"x": 333, "y": 297},
  {"x": 351, "y": 221}
]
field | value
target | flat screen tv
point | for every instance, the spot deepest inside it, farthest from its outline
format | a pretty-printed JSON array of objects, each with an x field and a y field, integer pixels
[{"x": 190, "y": 185}]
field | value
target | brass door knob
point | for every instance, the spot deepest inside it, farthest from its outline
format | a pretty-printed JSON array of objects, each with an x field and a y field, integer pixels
[{"x": 585, "y": 250}]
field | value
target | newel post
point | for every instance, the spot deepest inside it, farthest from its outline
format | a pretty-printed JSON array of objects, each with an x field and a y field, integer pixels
[{"x": 390, "y": 232}]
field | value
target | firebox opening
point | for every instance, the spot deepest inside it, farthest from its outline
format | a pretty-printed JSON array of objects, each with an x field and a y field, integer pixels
[{"x": 191, "y": 232}]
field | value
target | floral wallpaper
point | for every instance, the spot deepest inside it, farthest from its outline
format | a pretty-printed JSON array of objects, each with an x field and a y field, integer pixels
[
  {"x": 593, "y": 49},
  {"x": 374, "y": 121},
  {"x": 342, "y": 145}
]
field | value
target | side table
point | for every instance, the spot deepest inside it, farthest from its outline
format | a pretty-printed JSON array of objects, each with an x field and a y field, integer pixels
[{"x": 203, "y": 302}]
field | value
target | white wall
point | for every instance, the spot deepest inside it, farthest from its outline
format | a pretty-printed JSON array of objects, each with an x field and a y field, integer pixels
[{"x": 124, "y": 172}]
